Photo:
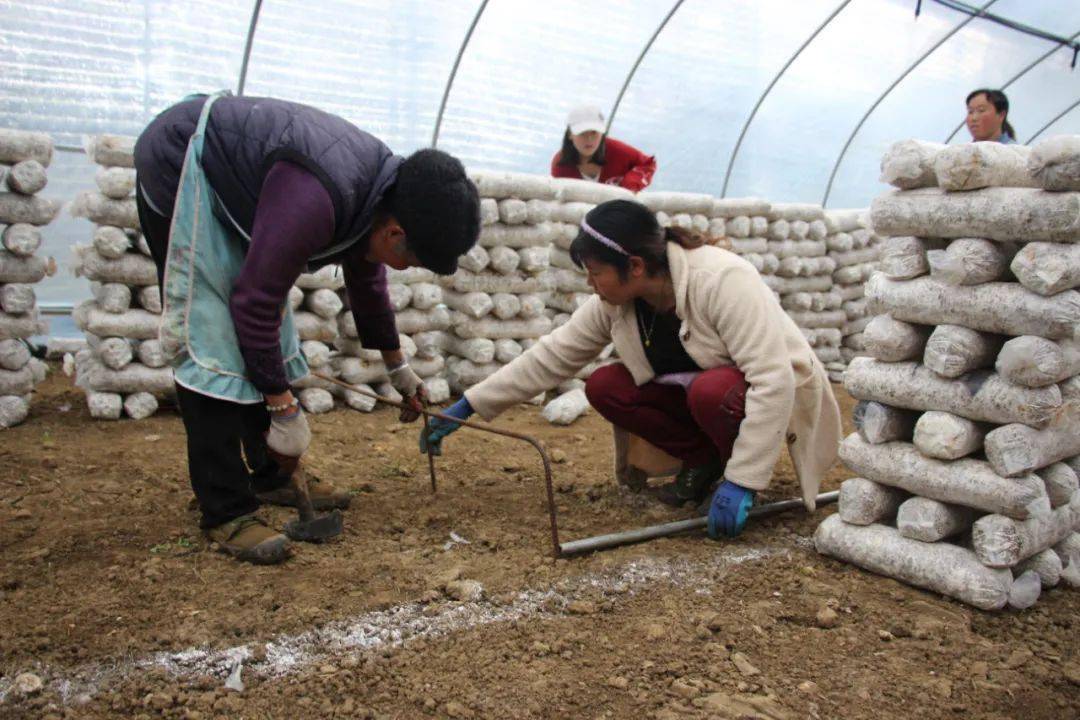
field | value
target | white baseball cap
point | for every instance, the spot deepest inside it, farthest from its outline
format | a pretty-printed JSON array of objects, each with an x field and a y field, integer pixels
[{"x": 585, "y": 118}]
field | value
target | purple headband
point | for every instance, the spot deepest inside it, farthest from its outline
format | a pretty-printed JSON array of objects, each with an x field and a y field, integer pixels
[{"x": 606, "y": 241}]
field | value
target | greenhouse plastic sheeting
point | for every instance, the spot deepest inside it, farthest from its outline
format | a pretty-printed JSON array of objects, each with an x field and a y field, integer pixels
[{"x": 79, "y": 67}]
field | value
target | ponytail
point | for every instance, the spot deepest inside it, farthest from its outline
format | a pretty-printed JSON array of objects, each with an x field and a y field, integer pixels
[
  {"x": 687, "y": 239},
  {"x": 1008, "y": 128}
]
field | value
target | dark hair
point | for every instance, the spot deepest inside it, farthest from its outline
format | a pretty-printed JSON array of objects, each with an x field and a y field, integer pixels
[
  {"x": 1000, "y": 103},
  {"x": 634, "y": 228},
  {"x": 437, "y": 206},
  {"x": 570, "y": 156}
]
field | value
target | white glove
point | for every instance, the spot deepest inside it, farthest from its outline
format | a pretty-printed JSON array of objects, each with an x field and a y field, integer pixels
[
  {"x": 289, "y": 435},
  {"x": 412, "y": 390},
  {"x": 405, "y": 380}
]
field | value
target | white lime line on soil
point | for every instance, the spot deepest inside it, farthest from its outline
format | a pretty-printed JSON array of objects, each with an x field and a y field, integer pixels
[{"x": 394, "y": 626}]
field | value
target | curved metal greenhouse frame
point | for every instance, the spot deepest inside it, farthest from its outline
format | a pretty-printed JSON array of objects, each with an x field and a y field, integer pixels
[
  {"x": 640, "y": 57},
  {"x": 1057, "y": 117},
  {"x": 257, "y": 7},
  {"x": 768, "y": 89},
  {"x": 843, "y": 151},
  {"x": 453, "y": 71},
  {"x": 247, "y": 47}
]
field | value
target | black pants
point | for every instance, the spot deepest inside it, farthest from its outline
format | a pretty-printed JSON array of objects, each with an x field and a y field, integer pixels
[{"x": 221, "y": 435}]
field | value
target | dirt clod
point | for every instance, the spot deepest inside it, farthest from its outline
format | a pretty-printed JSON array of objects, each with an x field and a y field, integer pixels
[
  {"x": 1018, "y": 658},
  {"x": 27, "y": 684},
  {"x": 742, "y": 707},
  {"x": 456, "y": 710},
  {"x": 465, "y": 590},
  {"x": 684, "y": 689},
  {"x": 827, "y": 618},
  {"x": 1071, "y": 672},
  {"x": 581, "y": 607},
  {"x": 655, "y": 631},
  {"x": 743, "y": 664}
]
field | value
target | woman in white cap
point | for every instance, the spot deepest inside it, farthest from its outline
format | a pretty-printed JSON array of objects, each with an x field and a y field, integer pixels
[{"x": 588, "y": 154}]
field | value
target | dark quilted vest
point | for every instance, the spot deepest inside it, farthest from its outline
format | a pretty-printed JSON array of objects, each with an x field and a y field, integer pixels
[{"x": 246, "y": 135}]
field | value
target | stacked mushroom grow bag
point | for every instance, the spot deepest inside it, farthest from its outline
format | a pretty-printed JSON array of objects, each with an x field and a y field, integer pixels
[
  {"x": 498, "y": 298},
  {"x": 789, "y": 244},
  {"x": 797, "y": 239},
  {"x": 969, "y": 415},
  {"x": 23, "y": 159},
  {"x": 332, "y": 346},
  {"x": 743, "y": 223},
  {"x": 518, "y": 283},
  {"x": 123, "y": 369},
  {"x": 855, "y": 249},
  {"x": 318, "y": 306}
]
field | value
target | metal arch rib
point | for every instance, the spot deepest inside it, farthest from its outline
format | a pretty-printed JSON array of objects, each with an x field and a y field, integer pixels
[
  {"x": 1014, "y": 78},
  {"x": 935, "y": 46},
  {"x": 453, "y": 71},
  {"x": 768, "y": 89},
  {"x": 1057, "y": 117},
  {"x": 640, "y": 57},
  {"x": 247, "y": 47}
]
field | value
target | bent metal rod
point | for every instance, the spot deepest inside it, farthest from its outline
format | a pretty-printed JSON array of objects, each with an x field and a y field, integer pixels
[{"x": 591, "y": 544}]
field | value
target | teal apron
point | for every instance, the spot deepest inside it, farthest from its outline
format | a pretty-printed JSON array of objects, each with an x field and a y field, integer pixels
[{"x": 203, "y": 262}]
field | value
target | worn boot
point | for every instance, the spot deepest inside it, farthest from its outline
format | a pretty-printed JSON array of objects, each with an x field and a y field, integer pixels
[
  {"x": 691, "y": 484},
  {"x": 634, "y": 479},
  {"x": 248, "y": 538},
  {"x": 324, "y": 496}
]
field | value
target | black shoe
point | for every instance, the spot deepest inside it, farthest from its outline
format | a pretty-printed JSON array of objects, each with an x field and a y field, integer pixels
[{"x": 692, "y": 484}]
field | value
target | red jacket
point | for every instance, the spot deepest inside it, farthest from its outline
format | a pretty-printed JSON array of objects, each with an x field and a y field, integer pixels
[{"x": 623, "y": 165}]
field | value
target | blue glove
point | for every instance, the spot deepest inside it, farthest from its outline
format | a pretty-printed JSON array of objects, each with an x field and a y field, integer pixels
[
  {"x": 431, "y": 437},
  {"x": 729, "y": 509}
]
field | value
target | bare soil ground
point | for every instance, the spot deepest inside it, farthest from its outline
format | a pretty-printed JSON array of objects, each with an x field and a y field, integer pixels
[{"x": 110, "y": 595}]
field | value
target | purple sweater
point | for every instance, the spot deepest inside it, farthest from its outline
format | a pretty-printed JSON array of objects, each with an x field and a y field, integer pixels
[{"x": 294, "y": 220}]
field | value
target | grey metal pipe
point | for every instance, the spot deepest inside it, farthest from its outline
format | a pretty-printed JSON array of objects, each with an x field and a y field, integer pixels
[
  {"x": 866, "y": 115},
  {"x": 56, "y": 308},
  {"x": 247, "y": 47},
  {"x": 640, "y": 57},
  {"x": 628, "y": 537},
  {"x": 1013, "y": 79},
  {"x": 453, "y": 72},
  {"x": 768, "y": 89},
  {"x": 1057, "y": 117}
]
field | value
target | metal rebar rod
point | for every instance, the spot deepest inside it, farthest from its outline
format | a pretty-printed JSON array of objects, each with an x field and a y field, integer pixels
[
  {"x": 843, "y": 151},
  {"x": 552, "y": 511},
  {"x": 430, "y": 459},
  {"x": 628, "y": 537},
  {"x": 453, "y": 72},
  {"x": 768, "y": 89}
]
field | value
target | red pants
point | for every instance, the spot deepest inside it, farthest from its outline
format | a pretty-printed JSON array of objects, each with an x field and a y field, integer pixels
[{"x": 694, "y": 426}]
